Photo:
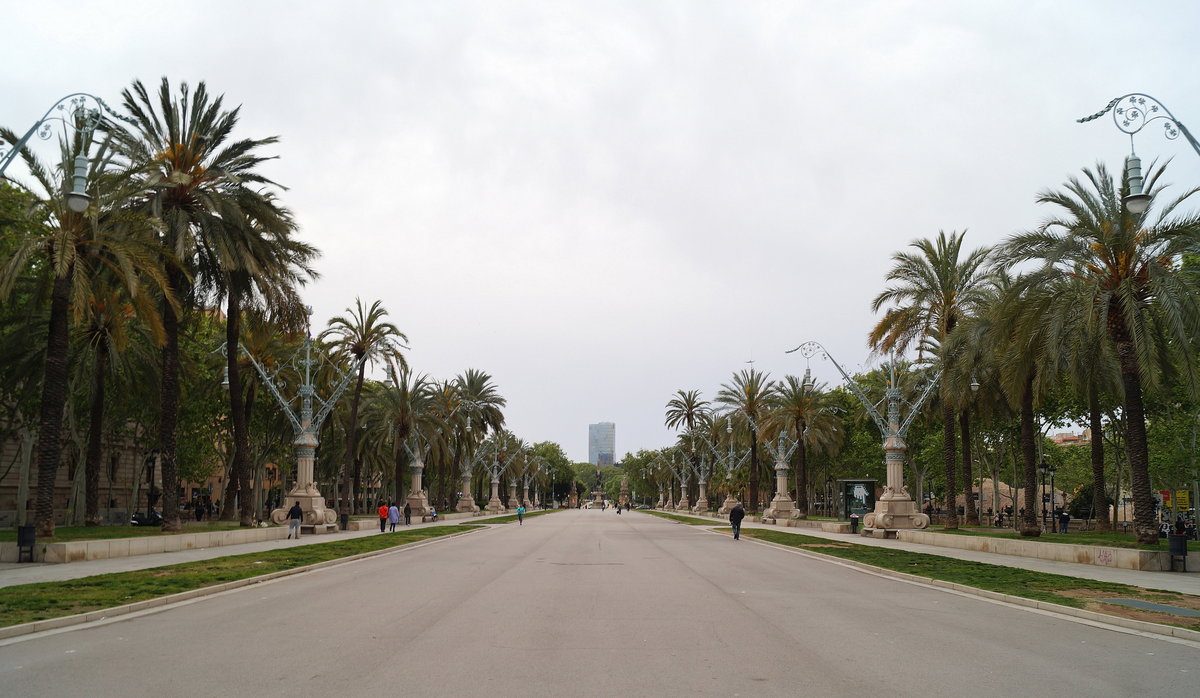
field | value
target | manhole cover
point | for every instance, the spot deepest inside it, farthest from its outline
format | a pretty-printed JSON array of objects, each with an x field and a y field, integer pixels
[{"x": 1161, "y": 608}]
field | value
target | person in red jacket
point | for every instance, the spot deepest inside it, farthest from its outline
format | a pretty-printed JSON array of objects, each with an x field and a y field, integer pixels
[{"x": 383, "y": 516}]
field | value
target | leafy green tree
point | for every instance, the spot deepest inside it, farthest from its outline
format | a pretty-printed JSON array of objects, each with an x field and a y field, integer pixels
[{"x": 749, "y": 395}]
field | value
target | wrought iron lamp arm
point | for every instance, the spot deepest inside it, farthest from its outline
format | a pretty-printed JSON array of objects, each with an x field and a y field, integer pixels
[
  {"x": 916, "y": 407},
  {"x": 808, "y": 349},
  {"x": 330, "y": 403},
  {"x": 1133, "y": 118},
  {"x": 40, "y": 127}
]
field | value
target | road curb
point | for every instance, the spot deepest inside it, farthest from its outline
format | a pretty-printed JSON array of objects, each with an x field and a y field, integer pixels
[
  {"x": 38, "y": 626},
  {"x": 1080, "y": 613}
]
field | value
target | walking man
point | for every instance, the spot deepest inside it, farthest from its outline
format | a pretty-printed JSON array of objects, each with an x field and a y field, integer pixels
[
  {"x": 520, "y": 514},
  {"x": 383, "y": 516},
  {"x": 407, "y": 514},
  {"x": 295, "y": 514},
  {"x": 736, "y": 515}
]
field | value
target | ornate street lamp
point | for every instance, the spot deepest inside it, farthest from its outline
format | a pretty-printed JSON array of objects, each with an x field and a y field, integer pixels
[
  {"x": 895, "y": 509},
  {"x": 73, "y": 107},
  {"x": 306, "y": 426},
  {"x": 1131, "y": 113}
]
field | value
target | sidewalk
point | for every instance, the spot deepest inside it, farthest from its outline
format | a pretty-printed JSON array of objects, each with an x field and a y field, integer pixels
[{"x": 14, "y": 573}]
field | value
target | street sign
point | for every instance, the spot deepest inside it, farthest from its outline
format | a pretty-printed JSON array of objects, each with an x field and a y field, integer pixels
[{"x": 1183, "y": 499}]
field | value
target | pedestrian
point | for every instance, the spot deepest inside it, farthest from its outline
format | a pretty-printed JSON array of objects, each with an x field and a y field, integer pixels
[
  {"x": 619, "y": 507},
  {"x": 433, "y": 514},
  {"x": 383, "y": 516},
  {"x": 295, "y": 515},
  {"x": 520, "y": 514},
  {"x": 1064, "y": 520},
  {"x": 393, "y": 517},
  {"x": 407, "y": 514},
  {"x": 736, "y": 514},
  {"x": 199, "y": 510}
]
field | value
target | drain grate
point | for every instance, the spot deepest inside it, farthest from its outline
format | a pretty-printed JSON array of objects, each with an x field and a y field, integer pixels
[{"x": 1148, "y": 606}]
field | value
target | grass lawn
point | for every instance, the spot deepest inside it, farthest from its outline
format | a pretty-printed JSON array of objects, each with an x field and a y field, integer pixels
[
  {"x": 1111, "y": 539},
  {"x": 1040, "y": 586},
  {"x": 689, "y": 520},
  {"x": 63, "y": 534},
  {"x": 30, "y": 602},
  {"x": 509, "y": 518}
]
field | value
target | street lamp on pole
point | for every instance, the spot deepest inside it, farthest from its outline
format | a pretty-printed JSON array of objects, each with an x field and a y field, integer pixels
[
  {"x": 306, "y": 426},
  {"x": 74, "y": 107},
  {"x": 1043, "y": 469},
  {"x": 1131, "y": 113},
  {"x": 895, "y": 509}
]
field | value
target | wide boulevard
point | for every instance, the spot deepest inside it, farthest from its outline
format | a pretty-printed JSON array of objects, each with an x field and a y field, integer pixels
[{"x": 594, "y": 603}]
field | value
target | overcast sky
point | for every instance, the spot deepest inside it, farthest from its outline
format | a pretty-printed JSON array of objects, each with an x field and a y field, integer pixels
[{"x": 600, "y": 203}]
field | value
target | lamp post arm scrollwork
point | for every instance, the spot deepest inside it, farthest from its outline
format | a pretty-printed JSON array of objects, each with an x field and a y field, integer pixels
[
  {"x": 1134, "y": 111},
  {"x": 915, "y": 407},
  {"x": 810, "y": 349}
]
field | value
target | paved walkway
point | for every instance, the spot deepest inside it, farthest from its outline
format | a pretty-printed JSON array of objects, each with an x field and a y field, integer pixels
[{"x": 27, "y": 573}]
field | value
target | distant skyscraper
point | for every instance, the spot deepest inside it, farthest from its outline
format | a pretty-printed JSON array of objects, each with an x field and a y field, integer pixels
[{"x": 602, "y": 443}]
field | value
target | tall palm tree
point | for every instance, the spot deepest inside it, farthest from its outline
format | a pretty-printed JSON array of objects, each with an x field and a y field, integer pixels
[
  {"x": 1141, "y": 297},
  {"x": 749, "y": 394},
  {"x": 930, "y": 292},
  {"x": 404, "y": 405},
  {"x": 685, "y": 409},
  {"x": 69, "y": 250},
  {"x": 364, "y": 336},
  {"x": 206, "y": 190},
  {"x": 803, "y": 408}
]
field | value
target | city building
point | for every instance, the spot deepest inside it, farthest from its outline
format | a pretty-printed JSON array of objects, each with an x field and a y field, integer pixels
[{"x": 602, "y": 443}]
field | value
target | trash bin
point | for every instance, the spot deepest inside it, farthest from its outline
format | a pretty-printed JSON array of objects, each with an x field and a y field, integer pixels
[
  {"x": 854, "y": 523},
  {"x": 345, "y": 521},
  {"x": 26, "y": 539},
  {"x": 1177, "y": 548}
]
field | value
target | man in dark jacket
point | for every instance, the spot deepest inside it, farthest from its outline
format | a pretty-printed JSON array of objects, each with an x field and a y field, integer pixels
[
  {"x": 295, "y": 515},
  {"x": 736, "y": 514}
]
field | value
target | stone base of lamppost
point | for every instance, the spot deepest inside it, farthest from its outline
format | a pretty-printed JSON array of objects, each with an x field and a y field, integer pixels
[
  {"x": 418, "y": 502},
  {"x": 495, "y": 506},
  {"x": 317, "y": 517},
  {"x": 466, "y": 505},
  {"x": 701, "y": 505},
  {"x": 892, "y": 515},
  {"x": 730, "y": 503},
  {"x": 683, "y": 504},
  {"x": 782, "y": 508},
  {"x": 513, "y": 503}
]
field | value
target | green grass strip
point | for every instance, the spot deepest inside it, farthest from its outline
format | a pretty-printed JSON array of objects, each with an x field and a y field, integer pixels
[
  {"x": 511, "y": 517},
  {"x": 1015, "y": 581},
  {"x": 26, "y": 603},
  {"x": 689, "y": 520}
]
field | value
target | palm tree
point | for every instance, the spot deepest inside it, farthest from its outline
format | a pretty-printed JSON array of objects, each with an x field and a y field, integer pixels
[
  {"x": 1141, "y": 299},
  {"x": 404, "y": 405},
  {"x": 207, "y": 192},
  {"x": 686, "y": 409},
  {"x": 72, "y": 249},
  {"x": 364, "y": 336},
  {"x": 932, "y": 291},
  {"x": 749, "y": 394},
  {"x": 803, "y": 408}
]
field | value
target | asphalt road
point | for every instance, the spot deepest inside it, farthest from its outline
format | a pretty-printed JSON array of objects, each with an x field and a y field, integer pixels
[{"x": 592, "y": 603}]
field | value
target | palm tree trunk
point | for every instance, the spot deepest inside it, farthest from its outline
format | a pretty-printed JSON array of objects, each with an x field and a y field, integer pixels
[
  {"x": 801, "y": 473},
  {"x": 1135, "y": 442},
  {"x": 237, "y": 408},
  {"x": 351, "y": 442},
  {"x": 752, "y": 505},
  {"x": 168, "y": 416},
  {"x": 1029, "y": 523},
  {"x": 95, "y": 431},
  {"x": 949, "y": 462},
  {"x": 1099, "y": 493},
  {"x": 54, "y": 398},
  {"x": 964, "y": 428}
]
